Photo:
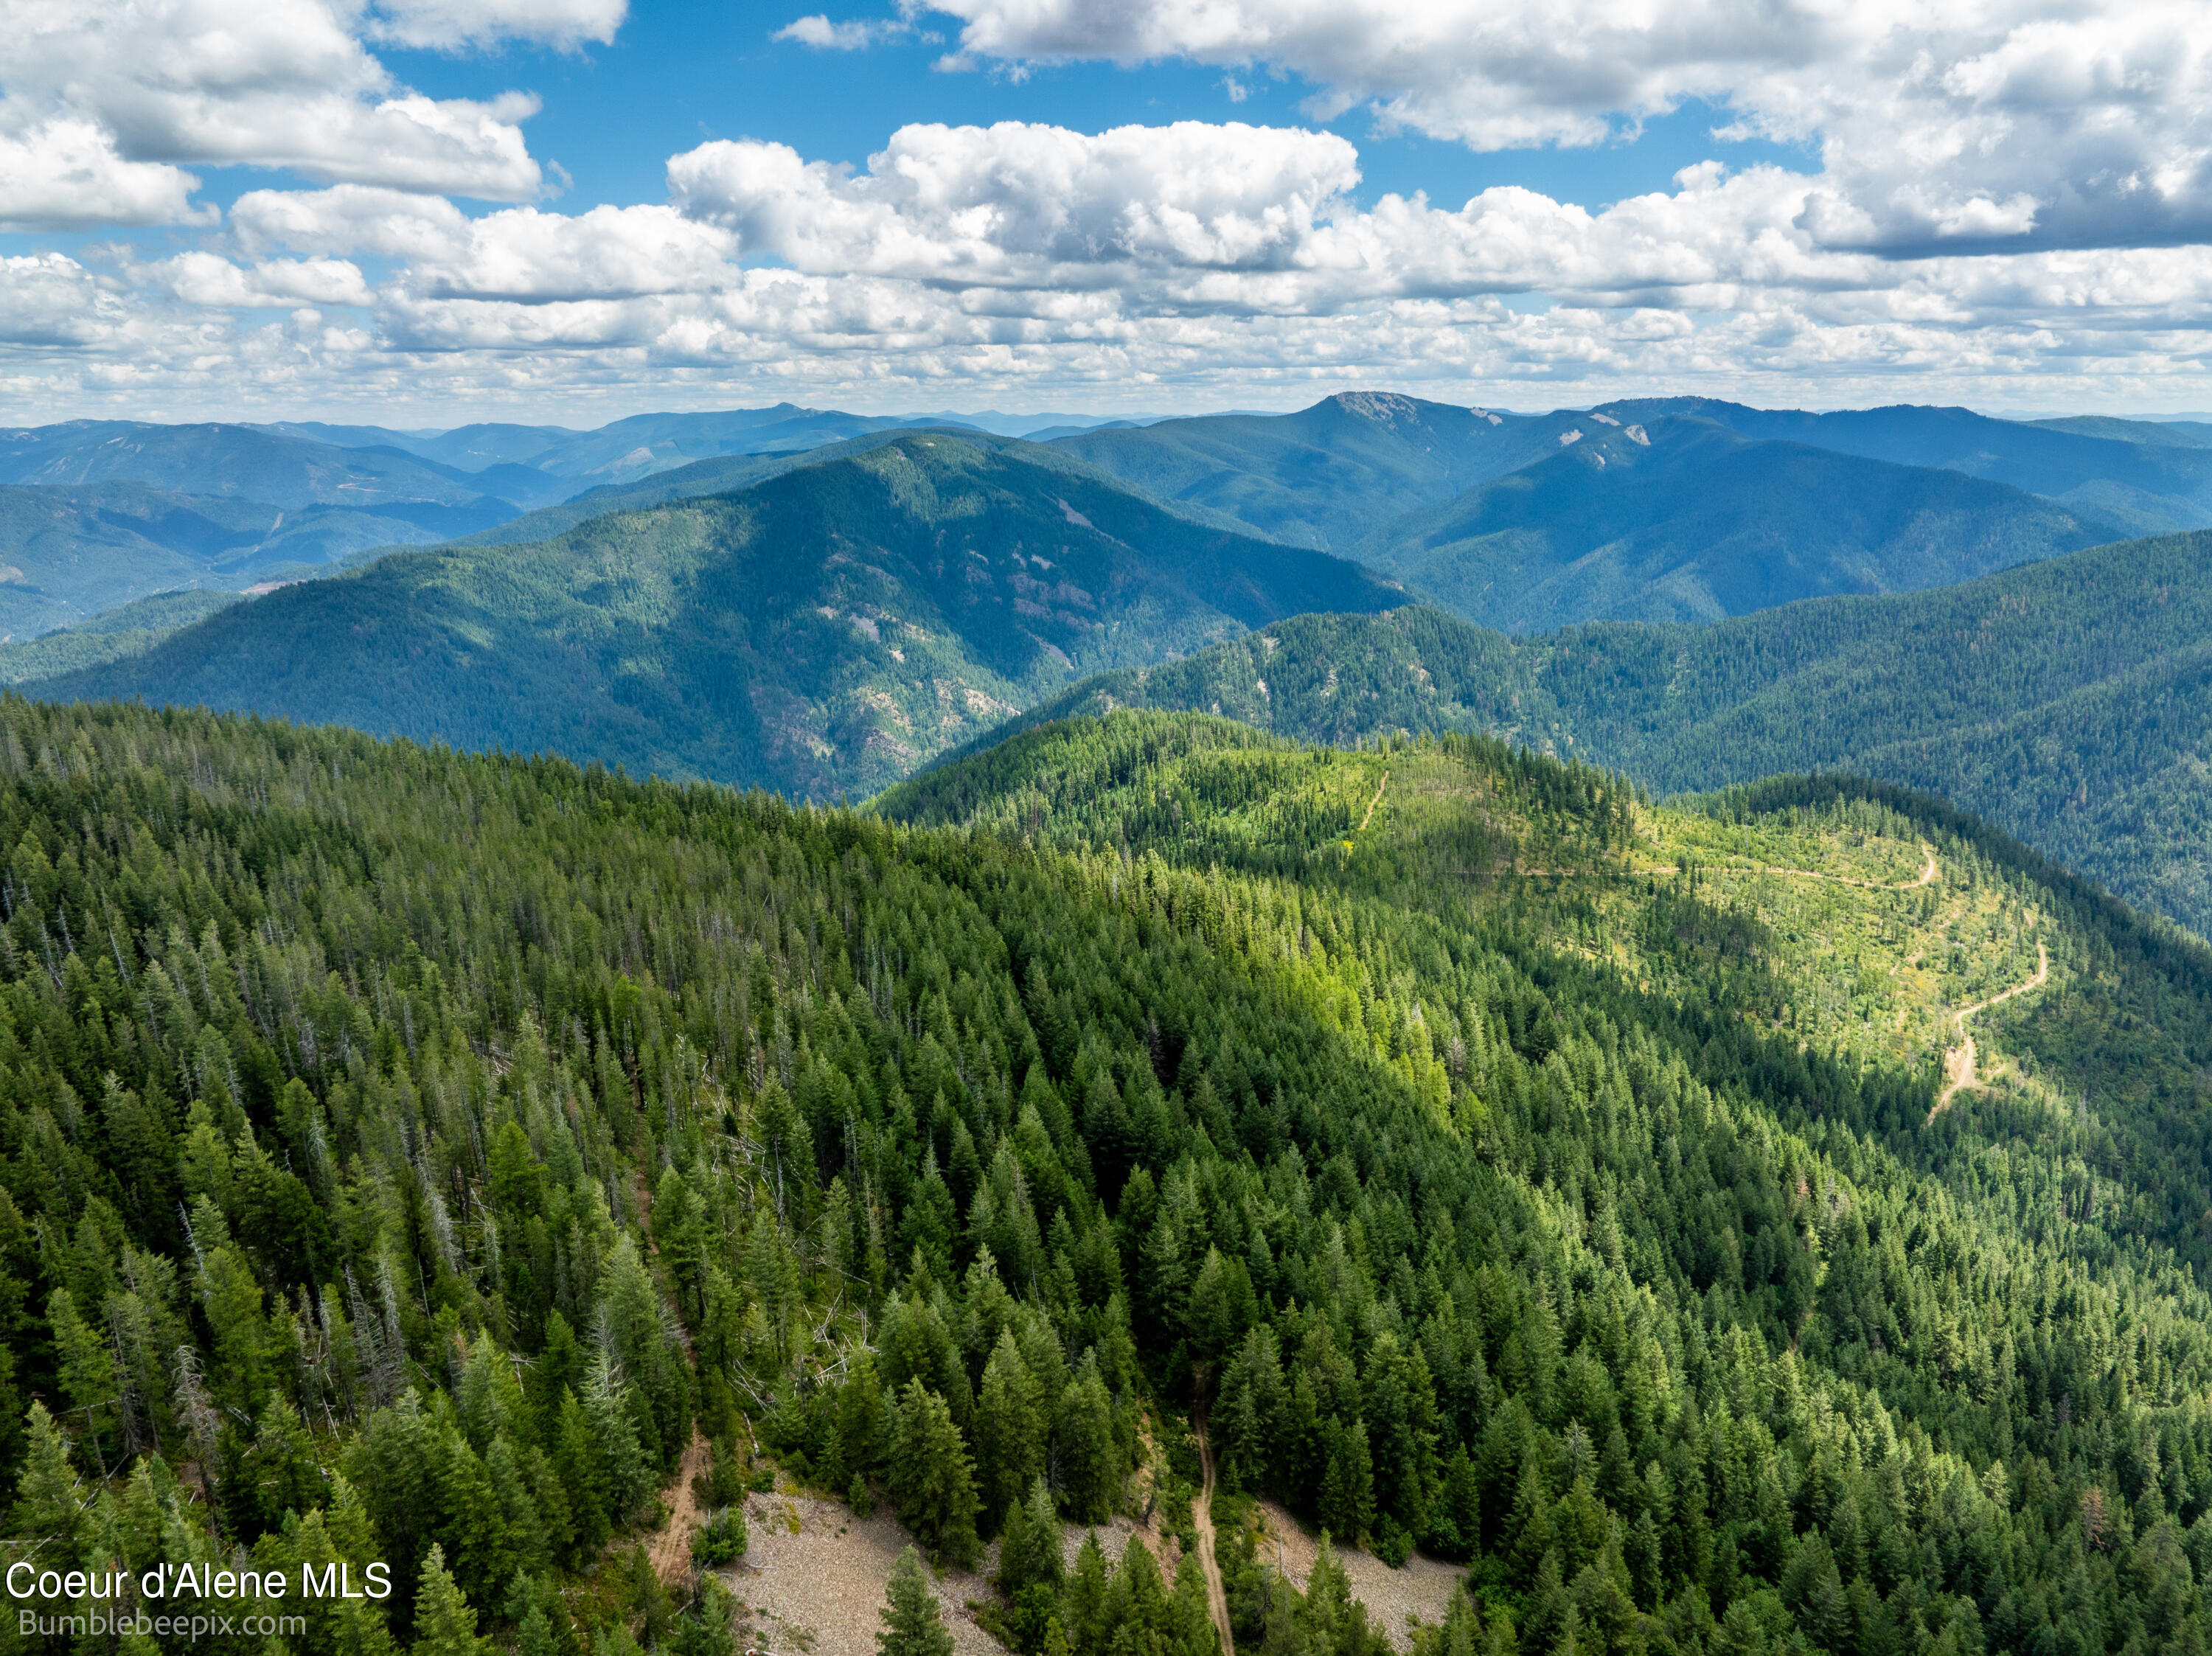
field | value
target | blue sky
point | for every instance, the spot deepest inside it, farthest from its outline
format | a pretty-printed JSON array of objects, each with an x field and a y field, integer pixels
[
  {"x": 428, "y": 211},
  {"x": 679, "y": 74}
]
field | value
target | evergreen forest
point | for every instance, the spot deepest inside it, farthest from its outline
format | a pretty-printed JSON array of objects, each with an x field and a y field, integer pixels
[{"x": 474, "y": 1166}]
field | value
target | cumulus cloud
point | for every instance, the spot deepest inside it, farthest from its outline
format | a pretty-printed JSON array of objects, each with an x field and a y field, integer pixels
[
  {"x": 102, "y": 105},
  {"x": 348, "y": 218},
  {"x": 64, "y": 174},
  {"x": 49, "y": 300},
  {"x": 608, "y": 252},
  {"x": 208, "y": 280},
  {"x": 520, "y": 254},
  {"x": 449, "y": 25},
  {"x": 1030, "y": 205},
  {"x": 1185, "y": 263},
  {"x": 2008, "y": 123},
  {"x": 1232, "y": 218},
  {"x": 818, "y": 31}
]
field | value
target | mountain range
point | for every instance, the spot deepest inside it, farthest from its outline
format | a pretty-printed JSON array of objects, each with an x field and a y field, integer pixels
[
  {"x": 1682, "y": 519},
  {"x": 823, "y": 621},
  {"x": 1264, "y": 1053},
  {"x": 821, "y": 633},
  {"x": 98, "y": 513},
  {"x": 2069, "y": 701}
]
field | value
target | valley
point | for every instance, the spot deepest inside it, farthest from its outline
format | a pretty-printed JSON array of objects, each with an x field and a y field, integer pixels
[{"x": 1284, "y": 1120}]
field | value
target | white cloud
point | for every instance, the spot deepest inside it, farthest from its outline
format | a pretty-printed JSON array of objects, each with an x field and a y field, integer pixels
[
  {"x": 1029, "y": 205},
  {"x": 205, "y": 279},
  {"x": 102, "y": 103},
  {"x": 1140, "y": 266},
  {"x": 853, "y": 35},
  {"x": 608, "y": 252},
  {"x": 2005, "y": 120},
  {"x": 64, "y": 174},
  {"x": 1231, "y": 218},
  {"x": 47, "y": 299},
  {"x": 449, "y": 25},
  {"x": 348, "y": 218}
]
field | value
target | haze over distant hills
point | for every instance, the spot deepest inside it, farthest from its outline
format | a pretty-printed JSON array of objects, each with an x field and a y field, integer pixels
[
  {"x": 2156, "y": 474},
  {"x": 1679, "y": 519},
  {"x": 825, "y": 618},
  {"x": 97, "y": 513},
  {"x": 821, "y": 633}
]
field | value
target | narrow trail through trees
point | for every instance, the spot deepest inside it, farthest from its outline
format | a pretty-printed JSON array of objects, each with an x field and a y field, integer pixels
[
  {"x": 1201, "y": 1521},
  {"x": 672, "y": 1548},
  {"x": 1958, "y": 1062},
  {"x": 1371, "y": 804},
  {"x": 1928, "y": 875}
]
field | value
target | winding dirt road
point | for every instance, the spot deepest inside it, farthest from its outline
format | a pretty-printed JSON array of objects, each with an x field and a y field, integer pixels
[
  {"x": 1958, "y": 1062},
  {"x": 1201, "y": 1521}
]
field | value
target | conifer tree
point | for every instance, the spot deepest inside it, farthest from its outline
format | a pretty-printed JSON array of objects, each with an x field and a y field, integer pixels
[
  {"x": 624, "y": 1474},
  {"x": 1008, "y": 1434},
  {"x": 48, "y": 1509},
  {"x": 912, "y": 1623},
  {"x": 445, "y": 1625},
  {"x": 932, "y": 1481},
  {"x": 1083, "y": 1446},
  {"x": 582, "y": 1471},
  {"x": 85, "y": 1362},
  {"x": 1029, "y": 1546}
]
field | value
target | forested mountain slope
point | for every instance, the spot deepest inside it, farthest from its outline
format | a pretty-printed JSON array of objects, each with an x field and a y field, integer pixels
[
  {"x": 624, "y": 450},
  {"x": 2164, "y": 484},
  {"x": 242, "y": 462},
  {"x": 1678, "y": 509},
  {"x": 821, "y": 633},
  {"x": 69, "y": 552},
  {"x": 1326, "y": 476},
  {"x": 2068, "y": 701},
  {"x": 130, "y": 629},
  {"x": 405, "y": 1153},
  {"x": 1678, "y": 518}
]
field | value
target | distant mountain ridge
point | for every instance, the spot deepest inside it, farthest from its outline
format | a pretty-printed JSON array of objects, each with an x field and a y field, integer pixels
[
  {"x": 1680, "y": 519},
  {"x": 1526, "y": 522},
  {"x": 1406, "y": 484},
  {"x": 626, "y": 450},
  {"x": 235, "y": 462},
  {"x": 822, "y": 632},
  {"x": 2166, "y": 485},
  {"x": 72, "y": 551},
  {"x": 1327, "y": 476}
]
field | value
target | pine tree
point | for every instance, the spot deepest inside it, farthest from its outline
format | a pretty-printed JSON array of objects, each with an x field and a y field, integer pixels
[
  {"x": 624, "y": 1475},
  {"x": 285, "y": 1473},
  {"x": 1084, "y": 1448},
  {"x": 1531, "y": 1523},
  {"x": 1090, "y": 1591},
  {"x": 1008, "y": 1434},
  {"x": 1029, "y": 1546},
  {"x": 859, "y": 1417},
  {"x": 48, "y": 1510},
  {"x": 1347, "y": 1488},
  {"x": 582, "y": 1471},
  {"x": 912, "y": 1623},
  {"x": 1456, "y": 1528},
  {"x": 85, "y": 1362},
  {"x": 444, "y": 1623},
  {"x": 931, "y": 1479}
]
